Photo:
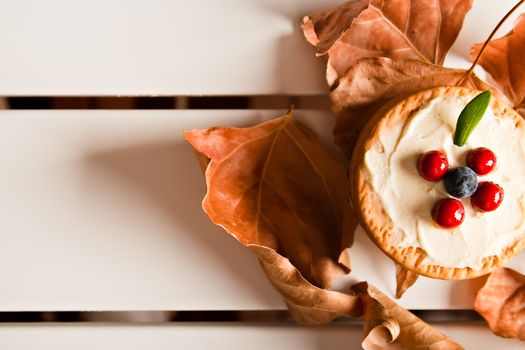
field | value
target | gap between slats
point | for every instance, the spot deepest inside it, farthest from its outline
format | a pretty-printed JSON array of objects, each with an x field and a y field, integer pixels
[
  {"x": 316, "y": 102},
  {"x": 260, "y": 316}
]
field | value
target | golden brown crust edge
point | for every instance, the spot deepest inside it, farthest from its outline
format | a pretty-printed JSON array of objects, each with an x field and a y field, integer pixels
[{"x": 369, "y": 209}]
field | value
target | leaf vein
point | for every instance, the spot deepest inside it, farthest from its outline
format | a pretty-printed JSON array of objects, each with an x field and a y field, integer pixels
[
  {"x": 316, "y": 170},
  {"x": 396, "y": 29},
  {"x": 306, "y": 231},
  {"x": 263, "y": 174}
]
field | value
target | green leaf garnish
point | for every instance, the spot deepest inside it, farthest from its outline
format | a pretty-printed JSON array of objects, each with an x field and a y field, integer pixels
[{"x": 470, "y": 117}]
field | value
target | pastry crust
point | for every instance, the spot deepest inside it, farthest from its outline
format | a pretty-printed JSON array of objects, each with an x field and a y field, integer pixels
[{"x": 370, "y": 210}]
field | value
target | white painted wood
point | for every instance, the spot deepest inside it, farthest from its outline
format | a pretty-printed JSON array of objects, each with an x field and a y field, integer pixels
[
  {"x": 160, "y": 47},
  {"x": 216, "y": 336},
  {"x": 157, "y": 47},
  {"x": 180, "y": 336},
  {"x": 101, "y": 210}
]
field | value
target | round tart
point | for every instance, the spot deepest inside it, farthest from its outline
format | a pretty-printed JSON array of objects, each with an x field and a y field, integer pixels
[{"x": 395, "y": 202}]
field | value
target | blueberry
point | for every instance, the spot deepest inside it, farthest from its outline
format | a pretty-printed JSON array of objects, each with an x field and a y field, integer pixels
[{"x": 461, "y": 182}]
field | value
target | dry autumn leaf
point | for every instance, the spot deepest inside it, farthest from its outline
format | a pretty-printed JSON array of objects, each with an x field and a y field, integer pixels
[
  {"x": 380, "y": 329},
  {"x": 398, "y": 29},
  {"x": 504, "y": 60},
  {"x": 276, "y": 185},
  {"x": 281, "y": 170},
  {"x": 411, "y": 332},
  {"x": 404, "y": 280},
  {"x": 501, "y": 302},
  {"x": 307, "y": 304}
]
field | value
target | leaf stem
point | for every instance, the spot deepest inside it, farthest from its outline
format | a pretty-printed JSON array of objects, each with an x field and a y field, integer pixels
[{"x": 498, "y": 26}]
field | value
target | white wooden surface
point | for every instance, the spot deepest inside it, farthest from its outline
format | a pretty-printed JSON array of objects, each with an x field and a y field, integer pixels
[
  {"x": 101, "y": 210},
  {"x": 216, "y": 336},
  {"x": 156, "y": 47},
  {"x": 160, "y": 47}
]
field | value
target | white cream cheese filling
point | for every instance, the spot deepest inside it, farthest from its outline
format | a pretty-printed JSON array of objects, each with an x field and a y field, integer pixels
[{"x": 408, "y": 198}]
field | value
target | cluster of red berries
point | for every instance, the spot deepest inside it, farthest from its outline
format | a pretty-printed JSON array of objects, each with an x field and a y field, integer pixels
[{"x": 485, "y": 196}]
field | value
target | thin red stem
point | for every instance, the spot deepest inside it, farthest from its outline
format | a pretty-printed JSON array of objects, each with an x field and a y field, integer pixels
[{"x": 469, "y": 72}]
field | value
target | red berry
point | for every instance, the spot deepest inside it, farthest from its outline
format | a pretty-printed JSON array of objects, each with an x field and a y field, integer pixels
[
  {"x": 432, "y": 165},
  {"x": 448, "y": 213},
  {"x": 487, "y": 197},
  {"x": 482, "y": 160}
]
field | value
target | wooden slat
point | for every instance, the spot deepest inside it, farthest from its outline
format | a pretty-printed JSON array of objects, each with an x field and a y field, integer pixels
[
  {"x": 216, "y": 336},
  {"x": 101, "y": 210},
  {"x": 158, "y": 47}
]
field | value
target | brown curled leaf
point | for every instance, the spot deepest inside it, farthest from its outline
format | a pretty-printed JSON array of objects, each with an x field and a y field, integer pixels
[
  {"x": 281, "y": 170},
  {"x": 504, "y": 60},
  {"x": 380, "y": 328},
  {"x": 307, "y": 304},
  {"x": 323, "y": 28},
  {"x": 404, "y": 280},
  {"x": 501, "y": 302},
  {"x": 410, "y": 333},
  {"x": 398, "y": 29},
  {"x": 276, "y": 185},
  {"x": 372, "y": 82}
]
